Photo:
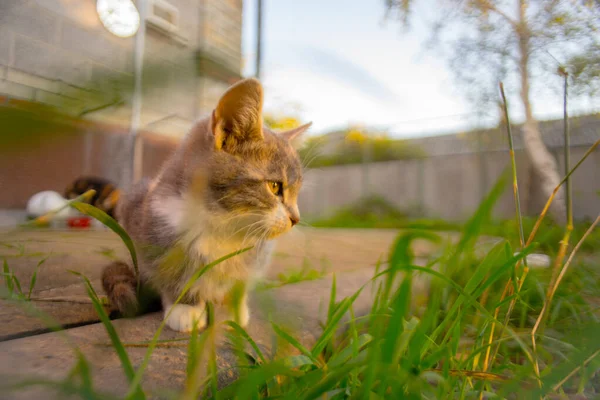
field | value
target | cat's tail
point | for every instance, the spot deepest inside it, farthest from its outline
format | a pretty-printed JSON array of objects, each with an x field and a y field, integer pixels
[{"x": 119, "y": 283}]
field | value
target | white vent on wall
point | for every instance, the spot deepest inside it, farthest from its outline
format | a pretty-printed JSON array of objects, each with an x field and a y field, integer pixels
[{"x": 163, "y": 16}]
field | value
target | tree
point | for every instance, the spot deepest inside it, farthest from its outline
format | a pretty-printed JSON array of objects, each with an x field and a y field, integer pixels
[{"x": 517, "y": 41}]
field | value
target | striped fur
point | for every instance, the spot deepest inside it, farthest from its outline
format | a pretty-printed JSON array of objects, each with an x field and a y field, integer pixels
[{"x": 232, "y": 183}]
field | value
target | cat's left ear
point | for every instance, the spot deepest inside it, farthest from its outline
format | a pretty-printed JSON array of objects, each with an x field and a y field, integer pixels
[
  {"x": 238, "y": 115},
  {"x": 295, "y": 136}
]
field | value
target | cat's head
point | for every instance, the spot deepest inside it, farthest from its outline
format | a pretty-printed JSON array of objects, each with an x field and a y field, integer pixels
[{"x": 254, "y": 175}]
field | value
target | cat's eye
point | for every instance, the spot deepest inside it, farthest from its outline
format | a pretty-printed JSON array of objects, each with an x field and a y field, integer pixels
[{"x": 276, "y": 188}]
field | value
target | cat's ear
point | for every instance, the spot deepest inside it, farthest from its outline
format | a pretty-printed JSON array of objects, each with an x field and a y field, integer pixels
[
  {"x": 295, "y": 136},
  {"x": 238, "y": 116}
]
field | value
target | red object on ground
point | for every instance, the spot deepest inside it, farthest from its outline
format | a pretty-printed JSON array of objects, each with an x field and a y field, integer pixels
[{"x": 79, "y": 222}]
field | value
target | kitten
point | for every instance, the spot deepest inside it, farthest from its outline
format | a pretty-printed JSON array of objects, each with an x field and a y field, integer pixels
[
  {"x": 231, "y": 184},
  {"x": 105, "y": 198}
]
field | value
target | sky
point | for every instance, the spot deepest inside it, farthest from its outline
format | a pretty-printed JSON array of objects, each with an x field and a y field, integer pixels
[{"x": 340, "y": 62}]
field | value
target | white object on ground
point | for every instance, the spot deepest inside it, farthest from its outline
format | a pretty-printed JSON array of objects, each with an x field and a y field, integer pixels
[
  {"x": 46, "y": 201},
  {"x": 537, "y": 260}
]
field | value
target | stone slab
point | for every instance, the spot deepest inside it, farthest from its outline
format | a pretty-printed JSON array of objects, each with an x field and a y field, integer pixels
[
  {"x": 299, "y": 307},
  {"x": 68, "y": 306},
  {"x": 82, "y": 251},
  {"x": 62, "y": 295}
]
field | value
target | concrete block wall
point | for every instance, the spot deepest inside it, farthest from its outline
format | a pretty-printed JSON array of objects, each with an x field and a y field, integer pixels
[
  {"x": 222, "y": 30},
  {"x": 449, "y": 186},
  {"x": 45, "y": 52},
  {"x": 57, "y": 52}
]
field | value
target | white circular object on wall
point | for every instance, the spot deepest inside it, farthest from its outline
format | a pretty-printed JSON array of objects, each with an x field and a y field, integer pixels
[{"x": 119, "y": 17}]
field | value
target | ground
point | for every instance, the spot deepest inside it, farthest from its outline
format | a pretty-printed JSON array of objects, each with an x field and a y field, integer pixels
[{"x": 29, "y": 349}]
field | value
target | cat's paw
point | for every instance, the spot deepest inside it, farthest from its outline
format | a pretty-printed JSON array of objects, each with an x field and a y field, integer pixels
[{"x": 183, "y": 317}]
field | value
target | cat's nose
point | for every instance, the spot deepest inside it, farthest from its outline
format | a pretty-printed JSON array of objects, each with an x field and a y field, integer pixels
[{"x": 295, "y": 219}]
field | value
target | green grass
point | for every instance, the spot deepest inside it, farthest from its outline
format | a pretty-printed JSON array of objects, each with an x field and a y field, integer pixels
[
  {"x": 474, "y": 336},
  {"x": 398, "y": 351},
  {"x": 305, "y": 273},
  {"x": 13, "y": 285},
  {"x": 377, "y": 213}
]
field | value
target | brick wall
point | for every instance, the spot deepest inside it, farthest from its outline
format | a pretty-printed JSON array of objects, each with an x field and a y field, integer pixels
[{"x": 49, "y": 151}]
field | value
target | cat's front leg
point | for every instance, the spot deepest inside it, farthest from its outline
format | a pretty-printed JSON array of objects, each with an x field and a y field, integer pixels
[
  {"x": 243, "y": 312},
  {"x": 237, "y": 304},
  {"x": 183, "y": 317}
]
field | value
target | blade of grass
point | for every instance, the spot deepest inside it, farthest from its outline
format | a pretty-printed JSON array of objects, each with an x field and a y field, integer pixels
[
  {"x": 66, "y": 388},
  {"x": 401, "y": 253},
  {"x": 472, "y": 284},
  {"x": 242, "y": 332},
  {"x": 243, "y": 389},
  {"x": 212, "y": 355},
  {"x": 517, "y": 198},
  {"x": 34, "y": 277},
  {"x": 478, "y": 290},
  {"x": 473, "y": 227},
  {"x": 565, "y": 241},
  {"x": 472, "y": 301},
  {"x": 400, "y": 304},
  {"x": 17, "y": 284},
  {"x": 288, "y": 338},
  {"x": 112, "y": 333},
  {"x": 554, "y": 287},
  {"x": 556, "y": 387},
  {"x": 538, "y": 224},
  {"x": 330, "y": 381},
  {"x": 331, "y": 327},
  {"x": 567, "y": 147},
  {"x": 350, "y": 351},
  {"x": 8, "y": 278},
  {"x": 44, "y": 219},
  {"x": 332, "y": 296},
  {"x": 113, "y": 225},
  {"x": 556, "y": 189}
]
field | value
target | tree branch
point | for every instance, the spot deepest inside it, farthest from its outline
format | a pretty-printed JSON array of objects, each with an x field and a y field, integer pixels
[{"x": 486, "y": 5}]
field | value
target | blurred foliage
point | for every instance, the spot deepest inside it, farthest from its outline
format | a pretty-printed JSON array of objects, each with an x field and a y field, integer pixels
[
  {"x": 357, "y": 146},
  {"x": 425, "y": 336},
  {"x": 25, "y": 125},
  {"x": 483, "y": 42},
  {"x": 377, "y": 212},
  {"x": 280, "y": 123},
  {"x": 585, "y": 70}
]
